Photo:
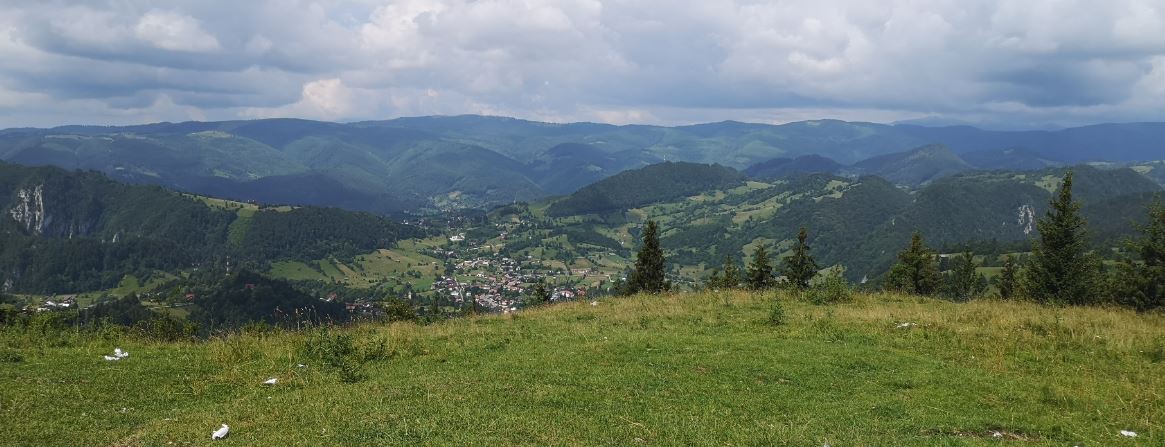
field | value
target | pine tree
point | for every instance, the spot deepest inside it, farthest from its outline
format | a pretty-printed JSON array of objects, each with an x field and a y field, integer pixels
[
  {"x": 760, "y": 271},
  {"x": 800, "y": 268},
  {"x": 715, "y": 281},
  {"x": 436, "y": 305},
  {"x": 964, "y": 282},
  {"x": 916, "y": 270},
  {"x": 539, "y": 294},
  {"x": 731, "y": 274},
  {"x": 1061, "y": 270},
  {"x": 648, "y": 275},
  {"x": 1008, "y": 278},
  {"x": 1141, "y": 283}
]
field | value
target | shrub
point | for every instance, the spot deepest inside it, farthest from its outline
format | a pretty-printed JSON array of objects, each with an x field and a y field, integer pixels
[
  {"x": 10, "y": 356},
  {"x": 163, "y": 328},
  {"x": 777, "y": 315},
  {"x": 341, "y": 353},
  {"x": 337, "y": 351},
  {"x": 831, "y": 288}
]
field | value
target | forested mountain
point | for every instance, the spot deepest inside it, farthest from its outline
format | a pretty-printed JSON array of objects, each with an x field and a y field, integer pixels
[
  {"x": 653, "y": 183},
  {"x": 1154, "y": 170},
  {"x": 914, "y": 167},
  {"x": 465, "y": 161},
  {"x": 1016, "y": 159},
  {"x": 860, "y": 223},
  {"x": 64, "y": 231},
  {"x": 786, "y": 167}
]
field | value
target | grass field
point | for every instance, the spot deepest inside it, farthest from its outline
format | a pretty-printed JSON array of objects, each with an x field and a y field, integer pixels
[
  {"x": 688, "y": 369},
  {"x": 367, "y": 270}
]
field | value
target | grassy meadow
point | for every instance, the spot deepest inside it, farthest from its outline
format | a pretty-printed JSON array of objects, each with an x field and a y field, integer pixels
[{"x": 684, "y": 369}]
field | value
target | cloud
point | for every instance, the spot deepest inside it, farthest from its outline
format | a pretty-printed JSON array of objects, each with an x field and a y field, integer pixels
[
  {"x": 994, "y": 62},
  {"x": 175, "y": 32}
]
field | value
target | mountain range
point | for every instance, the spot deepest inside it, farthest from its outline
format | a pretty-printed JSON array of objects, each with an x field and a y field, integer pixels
[{"x": 439, "y": 162}]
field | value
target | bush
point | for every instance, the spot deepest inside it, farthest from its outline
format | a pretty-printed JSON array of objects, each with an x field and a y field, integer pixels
[
  {"x": 164, "y": 328},
  {"x": 340, "y": 352},
  {"x": 398, "y": 310},
  {"x": 831, "y": 288},
  {"x": 10, "y": 356},
  {"x": 777, "y": 315},
  {"x": 337, "y": 351}
]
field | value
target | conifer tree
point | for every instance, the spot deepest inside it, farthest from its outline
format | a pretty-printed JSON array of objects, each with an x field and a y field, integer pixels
[
  {"x": 731, "y": 278},
  {"x": 760, "y": 270},
  {"x": 1061, "y": 270},
  {"x": 715, "y": 281},
  {"x": 964, "y": 283},
  {"x": 800, "y": 267},
  {"x": 436, "y": 305},
  {"x": 539, "y": 294},
  {"x": 1008, "y": 278},
  {"x": 916, "y": 270},
  {"x": 648, "y": 275},
  {"x": 1141, "y": 283}
]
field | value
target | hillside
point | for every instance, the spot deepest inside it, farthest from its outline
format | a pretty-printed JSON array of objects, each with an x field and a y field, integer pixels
[
  {"x": 915, "y": 167},
  {"x": 1016, "y": 159},
  {"x": 859, "y": 223},
  {"x": 64, "y": 231},
  {"x": 689, "y": 369},
  {"x": 1154, "y": 170},
  {"x": 785, "y": 167},
  {"x": 655, "y": 183}
]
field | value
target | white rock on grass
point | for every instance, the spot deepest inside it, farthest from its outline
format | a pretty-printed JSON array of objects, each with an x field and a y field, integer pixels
[
  {"x": 221, "y": 433},
  {"x": 1128, "y": 433}
]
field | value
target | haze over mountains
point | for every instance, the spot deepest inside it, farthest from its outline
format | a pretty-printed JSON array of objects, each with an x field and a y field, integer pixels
[{"x": 456, "y": 161}]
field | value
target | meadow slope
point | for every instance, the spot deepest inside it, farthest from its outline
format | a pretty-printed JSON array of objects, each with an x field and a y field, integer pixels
[{"x": 685, "y": 369}]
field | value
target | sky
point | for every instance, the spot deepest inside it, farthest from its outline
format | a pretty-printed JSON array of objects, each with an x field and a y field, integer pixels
[{"x": 992, "y": 63}]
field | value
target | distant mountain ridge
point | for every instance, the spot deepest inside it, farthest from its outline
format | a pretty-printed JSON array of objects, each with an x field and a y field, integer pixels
[
  {"x": 914, "y": 167},
  {"x": 406, "y": 164}
]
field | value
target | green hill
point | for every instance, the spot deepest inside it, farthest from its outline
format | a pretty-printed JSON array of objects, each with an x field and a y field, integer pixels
[
  {"x": 859, "y": 223},
  {"x": 914, "y": 167},
  {"x": 1014, "y": 159},
  {"x": 65, "y": 231},
  {"x": 655, "y": 183},
  {"x": 689, "y": 369},
  {"x": 785, "y": 167}
]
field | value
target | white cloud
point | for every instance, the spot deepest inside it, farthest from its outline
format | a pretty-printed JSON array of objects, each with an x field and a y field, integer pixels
[{"x": 175, "y": 32}]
